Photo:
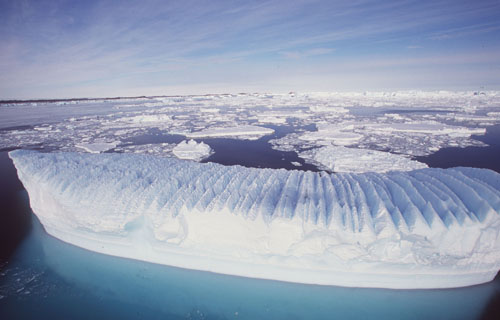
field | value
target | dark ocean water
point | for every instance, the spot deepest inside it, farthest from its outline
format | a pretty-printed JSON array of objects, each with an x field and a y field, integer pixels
[
  {"x": 482, "y": 157},
  {"x": 44, "y": 278}
]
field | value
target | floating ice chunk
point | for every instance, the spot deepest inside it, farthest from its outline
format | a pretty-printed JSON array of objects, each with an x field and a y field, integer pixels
[
  {"x": 336, "y": 135},
  {"x": 209, "y": 110},
  {"x": 246, "y": 132},
  {"x": 328, "y": 109},
  {"x": 153, "y": 118},
  {"x": 192, "y": 150},
  {"x": 269, "y": 119},
  {"x": 161, "y": 149},
  {"x": 97, "y": 147},
  {"x": 433, "y": 128},
  {"x": 277, "y": 116},
  {"x": 429, "y": 228},
  {"x": 43, "y": 128},
  {"x": 354, "y": 160}
]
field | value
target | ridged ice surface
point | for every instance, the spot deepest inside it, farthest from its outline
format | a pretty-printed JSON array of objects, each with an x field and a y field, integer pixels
[{"x": 420, "y": 229}]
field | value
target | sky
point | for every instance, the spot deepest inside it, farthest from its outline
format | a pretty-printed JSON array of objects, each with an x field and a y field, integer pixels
[{"x": 64, "y": 49}]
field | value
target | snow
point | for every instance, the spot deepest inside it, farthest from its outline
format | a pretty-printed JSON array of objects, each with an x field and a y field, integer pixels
[
  {"x": 162, "y": 149},
  {"x": 354, "y": 160},
  {"x": 246, "y": 132},
  {"x": 192, "y": 150},
  {"x": 97, "y": 147},
  {"x": 269, "y": 119},
  {"x": 432, "y": 128},
  {"x": 411, "y": 123},
  {"x": 427, "y": 228},
  {"x": 328, "y": 134},
  {"x": 146, "y": 119}
]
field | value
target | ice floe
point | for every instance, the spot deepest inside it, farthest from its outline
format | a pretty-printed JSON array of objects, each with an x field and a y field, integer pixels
[
  {"x": 160, "y": 149},
  {"x": 354, "y": 160},
  {"x": 411, "y": 123},
  {"x": 192, "y": 150},
  {"x": 327, "y": 134},
  {"x": 245, "y": 132},
  {"x": 97, "y": 147}
]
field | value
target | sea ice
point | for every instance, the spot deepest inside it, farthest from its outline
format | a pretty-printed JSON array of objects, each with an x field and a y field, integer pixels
[
  {"x": 427, "y": 228},
  {"x": 247, "y": 132},
  {"x": 162, "y": 149},
  {"x": 430, "y": 128},
  {"x": 355, "y": 160},
  {"x": 192, "y": 150},
  {"x": 152, "y": 118},
  {"x": 328, "y": 134},
  {"x": 97, "y": 147},
  {"x": 414, "y": 123}
]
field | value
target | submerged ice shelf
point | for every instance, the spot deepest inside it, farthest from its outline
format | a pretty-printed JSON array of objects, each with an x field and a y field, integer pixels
[{"x": 428, "y": 228}]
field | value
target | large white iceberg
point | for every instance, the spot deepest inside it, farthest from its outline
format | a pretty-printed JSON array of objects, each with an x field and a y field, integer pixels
[{"x": 428, "y": 228}]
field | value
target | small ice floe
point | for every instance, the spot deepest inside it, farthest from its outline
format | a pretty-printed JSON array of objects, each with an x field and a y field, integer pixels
[
  {"x": 354, "y": 160},
  {"x": 97, "y": 148},
  {"x": 192, "y": 150},
  {"x": 243, "y": 132}
]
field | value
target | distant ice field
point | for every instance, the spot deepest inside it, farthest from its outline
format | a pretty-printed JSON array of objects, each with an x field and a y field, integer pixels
[{"x": 312, "y": 126}]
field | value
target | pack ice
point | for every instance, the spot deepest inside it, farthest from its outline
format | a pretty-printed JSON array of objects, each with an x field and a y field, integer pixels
[{"x": 427, "y": 228}]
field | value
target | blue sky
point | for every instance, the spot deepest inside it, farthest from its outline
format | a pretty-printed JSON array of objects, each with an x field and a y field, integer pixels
[{"x": 60, "y": 49}]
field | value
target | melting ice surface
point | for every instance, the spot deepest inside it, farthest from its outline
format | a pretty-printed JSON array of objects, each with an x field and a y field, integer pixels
[{"x": 428, "y": 228}]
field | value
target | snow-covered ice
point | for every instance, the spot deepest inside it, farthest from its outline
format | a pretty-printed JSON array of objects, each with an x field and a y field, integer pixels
[
  {"x": 354, "y": 160},
  {"x": 192, "y": 150},
  {"x": 427, "y": 228},
  {"x": 327, "y": 134},
  {"x": 412, "y": 123},
  {"x": 97, "y": 147},
  {"x": 430, "y": 128},
  {"x": 245, "y": 132},
  {"x": 162, "y": 118}
]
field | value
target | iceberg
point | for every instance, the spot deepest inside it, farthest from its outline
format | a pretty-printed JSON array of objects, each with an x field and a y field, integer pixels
[
  {"x": 427, "y": 228},
  {"x": 192, "y": 150}
]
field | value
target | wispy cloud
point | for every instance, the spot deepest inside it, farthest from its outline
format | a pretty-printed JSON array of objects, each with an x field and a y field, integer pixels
[
  {"x": 306, "y": 53},
  {"x": 465, "y": 31},
  {"x": 70, "y": 44}
]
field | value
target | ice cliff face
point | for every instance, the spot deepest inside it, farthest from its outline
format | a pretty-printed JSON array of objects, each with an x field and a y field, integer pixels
[{"x": 428, "y": 228}]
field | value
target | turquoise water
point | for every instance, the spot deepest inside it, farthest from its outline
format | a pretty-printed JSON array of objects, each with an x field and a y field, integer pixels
[{"x": 47, "y": 278}]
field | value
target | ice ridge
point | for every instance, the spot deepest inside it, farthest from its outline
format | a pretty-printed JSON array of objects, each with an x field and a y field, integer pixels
[{"x": 370, "y": 230}]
